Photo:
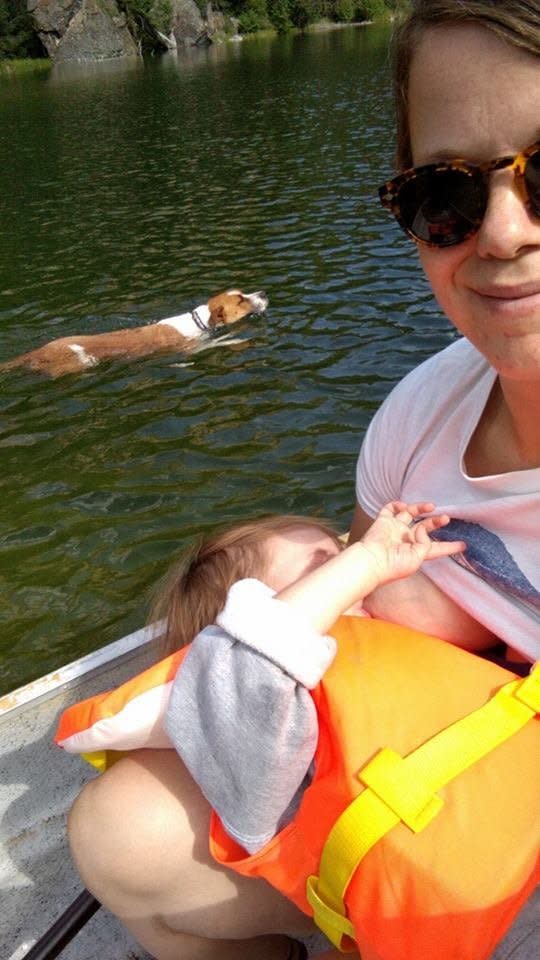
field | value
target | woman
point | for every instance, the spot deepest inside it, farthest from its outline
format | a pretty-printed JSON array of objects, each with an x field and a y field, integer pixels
[
  {"x": 470, "y": 82},
  {"x": 466, "y": 425}
]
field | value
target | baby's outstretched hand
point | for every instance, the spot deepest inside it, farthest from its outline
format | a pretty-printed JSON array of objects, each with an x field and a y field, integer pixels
[{"x": 399, "y": 541}]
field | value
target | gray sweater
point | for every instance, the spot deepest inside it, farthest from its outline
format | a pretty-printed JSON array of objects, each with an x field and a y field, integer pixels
[{"x": 241, "y": 716}]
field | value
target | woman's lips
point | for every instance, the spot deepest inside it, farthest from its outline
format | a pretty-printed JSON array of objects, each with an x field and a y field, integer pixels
[{"x": 511, "y": 299}]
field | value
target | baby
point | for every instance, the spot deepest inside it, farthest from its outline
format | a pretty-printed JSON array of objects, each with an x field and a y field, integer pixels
[
  {"x": 249, "y": 676},
  {"x": 242, "y": 718}
]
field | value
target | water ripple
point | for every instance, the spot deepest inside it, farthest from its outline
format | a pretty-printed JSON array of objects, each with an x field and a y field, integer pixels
[{"x": 146, "y": 189}]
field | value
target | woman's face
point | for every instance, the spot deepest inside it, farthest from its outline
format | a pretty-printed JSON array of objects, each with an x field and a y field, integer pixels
[{"x": 476, "y": 97}]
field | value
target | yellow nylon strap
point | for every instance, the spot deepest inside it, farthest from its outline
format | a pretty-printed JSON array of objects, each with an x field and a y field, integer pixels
[
  {"x": 103, "y": 759},
  {"x": 404, "y": 789}
]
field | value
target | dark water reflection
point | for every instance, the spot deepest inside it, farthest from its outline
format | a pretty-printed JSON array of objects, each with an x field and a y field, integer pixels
[{"x": 128, "y": 193}]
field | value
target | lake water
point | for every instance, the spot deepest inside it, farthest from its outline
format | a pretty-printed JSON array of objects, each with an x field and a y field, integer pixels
[{"x": 130, "y": 192}]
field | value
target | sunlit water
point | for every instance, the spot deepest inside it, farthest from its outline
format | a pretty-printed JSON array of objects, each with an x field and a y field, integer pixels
[{"x": 129, "y": 192}]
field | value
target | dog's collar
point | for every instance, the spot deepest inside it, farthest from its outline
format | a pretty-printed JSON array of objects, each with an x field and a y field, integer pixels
[
  {"x": 201, "y": 317},
  {"x": 191, "y": 324}
]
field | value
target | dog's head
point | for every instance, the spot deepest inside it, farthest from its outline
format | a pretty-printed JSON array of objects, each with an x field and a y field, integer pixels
[{"x": 233, "y": 305}]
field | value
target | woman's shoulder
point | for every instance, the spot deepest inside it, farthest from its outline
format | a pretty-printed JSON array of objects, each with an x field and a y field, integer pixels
[
  {"x": 460, "y": 360},
  {"x": 447, "y": 391},
  {"x": 455, "y": 377}
]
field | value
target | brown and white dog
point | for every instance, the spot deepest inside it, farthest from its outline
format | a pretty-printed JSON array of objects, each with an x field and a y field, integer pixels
[{"x": 181, "y": 333}]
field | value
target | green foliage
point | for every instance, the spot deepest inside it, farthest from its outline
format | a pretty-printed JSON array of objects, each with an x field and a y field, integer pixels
[
  {"x": 304, "y": 12},
  {"x": 284, "y": 14},
  {"x": 17, "y": 35},
  {"x": 160, "y": 15},
  {"x": 252, "y": 15},
  {"x": 373, "y": 9},
  {"x": 15, "y": 67},
  {"x": 143, "y": 18},
  {"x": 280, "y": 15},
  {"x": 345, "y": 10},
  {"x": 157, "y": 12}
]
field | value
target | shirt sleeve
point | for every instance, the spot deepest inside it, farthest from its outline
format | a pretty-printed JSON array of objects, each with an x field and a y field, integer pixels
[
  {"x": 240, "y": 714},
  {"x": 379, "y": 470}
]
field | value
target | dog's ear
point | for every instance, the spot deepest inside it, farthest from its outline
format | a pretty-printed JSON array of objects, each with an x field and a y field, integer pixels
[{"x": 218, "y": 315}]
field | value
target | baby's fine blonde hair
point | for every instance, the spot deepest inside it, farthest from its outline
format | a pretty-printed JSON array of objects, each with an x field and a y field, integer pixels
[{"x": 195, "y": 589}]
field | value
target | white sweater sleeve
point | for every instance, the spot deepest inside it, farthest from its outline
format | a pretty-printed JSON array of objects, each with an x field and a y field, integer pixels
[{"x": 240, "y": 714}]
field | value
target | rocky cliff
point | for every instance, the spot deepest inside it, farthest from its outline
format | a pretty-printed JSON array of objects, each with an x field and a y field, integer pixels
[{"x": 105, "y": 29}]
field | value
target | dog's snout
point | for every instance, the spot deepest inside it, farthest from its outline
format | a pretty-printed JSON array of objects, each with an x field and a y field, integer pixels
[{"x": 259, "y": 300}]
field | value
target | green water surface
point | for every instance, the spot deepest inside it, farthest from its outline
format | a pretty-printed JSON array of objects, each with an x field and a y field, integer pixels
[{"x": 129, "y": 192}]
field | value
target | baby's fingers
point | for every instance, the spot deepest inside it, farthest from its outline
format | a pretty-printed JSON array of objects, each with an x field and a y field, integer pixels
[
  {"x": 434, "y": 523},
  {"x": 417, "y": 509},
  {"x": 441, "y": 548},
  {"x": 406, "y": 512}
]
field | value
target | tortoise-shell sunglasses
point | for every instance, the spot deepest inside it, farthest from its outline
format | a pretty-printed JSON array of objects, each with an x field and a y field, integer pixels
[{"x": 442, "y": 204}]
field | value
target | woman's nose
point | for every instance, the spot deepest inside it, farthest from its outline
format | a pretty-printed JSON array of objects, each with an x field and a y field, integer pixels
[{"x": 508, "y": 226}]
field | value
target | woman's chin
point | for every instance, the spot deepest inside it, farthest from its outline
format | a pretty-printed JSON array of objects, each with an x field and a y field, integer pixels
[
  {"x": 518, "y": 360},
  {"x": 513, "y": 352}
]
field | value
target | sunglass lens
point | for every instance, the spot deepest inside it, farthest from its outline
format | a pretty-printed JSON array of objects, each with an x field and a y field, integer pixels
[
  {"x": 532, "y": 181},
  {"x": 442, "y": 207}
]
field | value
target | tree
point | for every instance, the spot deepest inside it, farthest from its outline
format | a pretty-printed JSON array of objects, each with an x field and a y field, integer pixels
[
  {"x": 280, "y": 15},
  {"x": 17, "y": 35}
]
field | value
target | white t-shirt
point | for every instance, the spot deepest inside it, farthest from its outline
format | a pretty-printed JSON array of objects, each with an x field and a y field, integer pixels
[{"x": 414, "y": 451}]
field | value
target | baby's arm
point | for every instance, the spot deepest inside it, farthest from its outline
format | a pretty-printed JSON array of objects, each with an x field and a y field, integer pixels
[
  {"x": 393, "y": 548},
  {"x": 418, "y": 603},
  {"x": 241, "y": 716}
]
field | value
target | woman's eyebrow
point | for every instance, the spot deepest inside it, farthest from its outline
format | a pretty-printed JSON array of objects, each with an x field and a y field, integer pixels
[{"x": 446, "y": 155}]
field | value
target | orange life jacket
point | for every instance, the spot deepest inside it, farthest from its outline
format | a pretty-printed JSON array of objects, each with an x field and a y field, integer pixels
[
  {"x": 128, "y": 717},
  {"x": 448, "y": 885},
  {"x": 425, "y": 858}
]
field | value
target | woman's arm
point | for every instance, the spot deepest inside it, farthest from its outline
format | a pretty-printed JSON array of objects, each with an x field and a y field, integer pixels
[{"x": 418, "y": 603}]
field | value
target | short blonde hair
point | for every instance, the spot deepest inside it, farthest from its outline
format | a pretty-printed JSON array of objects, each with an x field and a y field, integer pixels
[
  {"x": 195, "y": 589},
  {"x": 515, "y": 21}
]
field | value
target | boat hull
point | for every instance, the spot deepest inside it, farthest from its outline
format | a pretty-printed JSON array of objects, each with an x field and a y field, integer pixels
[{"x": 38, "y": 784}]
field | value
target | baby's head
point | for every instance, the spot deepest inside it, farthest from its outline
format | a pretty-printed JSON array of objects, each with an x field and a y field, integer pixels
[{"x": 275, "y": 549}]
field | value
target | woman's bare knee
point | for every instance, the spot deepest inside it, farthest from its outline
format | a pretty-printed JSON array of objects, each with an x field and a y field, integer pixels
[
  {"x": 139, "y": 838},
  {"x": 129, "y": 829}
]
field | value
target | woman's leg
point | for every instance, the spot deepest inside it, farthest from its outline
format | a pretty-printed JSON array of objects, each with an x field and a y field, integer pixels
[{"x": 139, "y": 838}]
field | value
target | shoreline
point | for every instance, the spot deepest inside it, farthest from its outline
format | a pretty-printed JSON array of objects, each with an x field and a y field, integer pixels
[{"x": 11, "y": 67}]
